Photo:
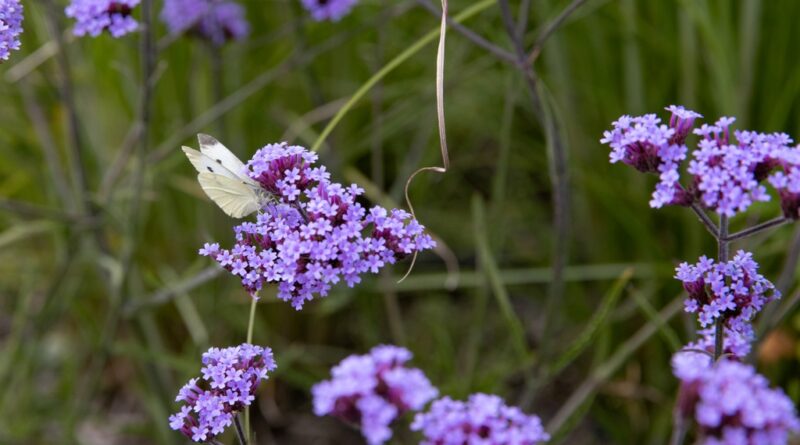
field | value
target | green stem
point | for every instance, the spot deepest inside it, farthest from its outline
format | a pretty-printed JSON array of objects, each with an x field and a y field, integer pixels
[
  {"x": 250, "y": 324},
  {"x": 252, "y": 319}
]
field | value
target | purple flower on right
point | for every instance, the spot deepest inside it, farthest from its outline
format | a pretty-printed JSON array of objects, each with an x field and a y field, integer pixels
[
  {"x": 731, "y": 403},
  {"x": 728, "y": 170},
  {"x": 10, "y": 27},
  {"x": 332, "y": 10},
  {"x": 483, "y": 419}
]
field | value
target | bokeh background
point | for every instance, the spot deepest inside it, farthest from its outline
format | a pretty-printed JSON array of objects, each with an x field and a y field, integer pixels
[{"x": 93, "y": 347}]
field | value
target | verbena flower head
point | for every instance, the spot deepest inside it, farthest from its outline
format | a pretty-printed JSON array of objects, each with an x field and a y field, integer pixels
[
  {"x": 731, "y": 403},
  {"x": 732, "y": 291},
  {"x": 728, "y": 175},
  {"x": 10, "y": 27},
  {"x": 92, "y": 17},
  {"x": 230, "y": 377},
  {"x": 217, "y": 21},
  {"x": 483, "y": 419},
  {"x": 649, "y": 146},
  {"x": 314, "y": 233},
  {"x": 329, "y": 9},
  {"x": 727, "y": 168},
  {"x": 372, "y": 390}
]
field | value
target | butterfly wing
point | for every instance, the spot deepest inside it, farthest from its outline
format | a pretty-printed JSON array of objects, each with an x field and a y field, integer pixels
[
  {"x": 234, "y": 197},
  {"x": 220, "y": 154},
  {"x": 205, "y": 164}
]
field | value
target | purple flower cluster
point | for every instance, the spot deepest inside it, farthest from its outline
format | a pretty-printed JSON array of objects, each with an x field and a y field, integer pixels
[
  {"x": 10, "y": 27},
  {"x": 728, "y": 176},
  {"x": 215, "y": 21},
  {"x": 332, "y": 10},
  {"x": 483, "y": 419},
  {"x": 732, "y": 291},
  {"x": 727, "y": 173},
  {"x": 649, "y": 146},
  {"x": 372, "y": 390},
  {"x": 315, "y": 233},
  {"x": 231, "y": 377},
  {"x": 92, "y": 17},
  {"x": 731, "y": 403}
]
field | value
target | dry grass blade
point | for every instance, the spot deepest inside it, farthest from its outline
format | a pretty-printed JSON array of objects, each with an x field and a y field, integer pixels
[{"x": 440, "y": 118}]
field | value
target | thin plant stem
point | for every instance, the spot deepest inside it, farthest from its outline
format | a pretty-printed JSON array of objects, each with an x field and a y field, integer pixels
[
  {"x": 239, "y": 433},
  {"x": 750, "y": 231},
  {"x": 252, "y": 319},
  {"x": 551, "y": 27},
  {"x": 722, "y": 253},
  {"x": 701, "y": 214},
  {"x": 707, "y": 223},
  {"x": 148, "y": 56},
  {"x": 557, "y": 165},
  {"x": 522, "y": 17},
  {"x": 722, "y": 257},
  {"x": 49, "y": 147},
  {"x": 67, "y": 92},
  {"x": 250, "y": 324},
  {"x": 27, "y": 210}
]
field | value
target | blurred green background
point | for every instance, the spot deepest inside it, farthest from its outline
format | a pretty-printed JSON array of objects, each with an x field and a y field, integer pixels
[{"x": 93, "y": 350}]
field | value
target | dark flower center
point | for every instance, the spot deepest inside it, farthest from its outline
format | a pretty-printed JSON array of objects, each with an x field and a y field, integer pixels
[{"x": 119, "y": 8}]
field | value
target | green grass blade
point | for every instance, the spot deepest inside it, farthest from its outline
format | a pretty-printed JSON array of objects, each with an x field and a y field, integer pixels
[{"x": 588, "y": 335}]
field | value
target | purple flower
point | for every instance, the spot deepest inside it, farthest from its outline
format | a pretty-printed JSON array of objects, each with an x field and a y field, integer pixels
[
  {"x": 732, "y": 291},
  {"x": 230, "y": 377},
  {"x": 727, "y": 170},
  {"x": 10, "y": 27},
  {"x": 332, "y": 10},
  {"x": 731, "y": 403},
  {"x": 727, "y": 176},
  {"x": 314, "y": 233},
  {"x": 213, "y": 20},
  {"x": 372, "y": 390},
  {"x": 649, "y": 146},
  {"x": 483, "y": 419},
  {"x": 92, "y": 17}
]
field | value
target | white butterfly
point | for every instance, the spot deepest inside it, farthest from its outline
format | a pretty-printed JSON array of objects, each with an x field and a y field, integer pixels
[{"x": 222, "y": 176}]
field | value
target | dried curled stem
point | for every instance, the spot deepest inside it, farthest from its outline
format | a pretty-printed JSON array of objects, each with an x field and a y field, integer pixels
[{"x": 440, "y": 118}]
